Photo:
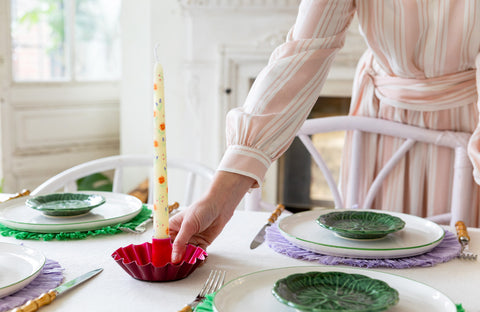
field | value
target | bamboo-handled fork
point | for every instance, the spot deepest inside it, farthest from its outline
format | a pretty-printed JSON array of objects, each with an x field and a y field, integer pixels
[
  {"x": 213, "y": 283},
  {"x": 464, "y": 239}
]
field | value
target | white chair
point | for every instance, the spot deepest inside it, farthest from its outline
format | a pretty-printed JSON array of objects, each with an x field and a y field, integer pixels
[
  {"x": 66, "y": 180},
  {"x": 462, "y": 179}
]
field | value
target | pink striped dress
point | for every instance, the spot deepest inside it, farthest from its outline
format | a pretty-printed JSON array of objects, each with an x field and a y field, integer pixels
[{"x": 425, "y": 51}]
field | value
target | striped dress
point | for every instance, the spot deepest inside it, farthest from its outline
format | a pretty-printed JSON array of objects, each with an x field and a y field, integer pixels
[{"x": 413, "y": 48}]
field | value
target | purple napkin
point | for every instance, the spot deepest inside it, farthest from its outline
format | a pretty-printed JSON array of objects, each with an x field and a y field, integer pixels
[
  {"x": 448, "y": 249},
  {"x": 50, "y": 277}
]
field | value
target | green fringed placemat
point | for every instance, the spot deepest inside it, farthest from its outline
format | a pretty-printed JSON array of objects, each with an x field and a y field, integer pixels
[
  {"x": 144, "y": 214},
  {"x": 207, "y": 305}
]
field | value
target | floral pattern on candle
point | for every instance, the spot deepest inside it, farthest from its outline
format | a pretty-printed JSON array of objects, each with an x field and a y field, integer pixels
[{"x": 160, "y": 190}]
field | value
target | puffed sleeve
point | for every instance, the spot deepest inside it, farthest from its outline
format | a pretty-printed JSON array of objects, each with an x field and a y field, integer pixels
[
  {"x": 474, "y": 143},
  {"x": 285, "y": 90}
]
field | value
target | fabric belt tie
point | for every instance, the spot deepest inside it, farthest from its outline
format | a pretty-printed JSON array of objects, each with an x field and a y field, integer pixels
[{"x": 429, "y": 94}]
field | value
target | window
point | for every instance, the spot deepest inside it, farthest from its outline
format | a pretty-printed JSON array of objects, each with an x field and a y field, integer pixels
[{"x": 65, "y": 40}]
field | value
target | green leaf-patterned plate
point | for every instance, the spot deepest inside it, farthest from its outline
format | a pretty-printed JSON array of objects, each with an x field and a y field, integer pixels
[
  {"x": 65, "y": 204},
  {"x": 361, "y": 224},
  {"x": 334, "y": 291}
]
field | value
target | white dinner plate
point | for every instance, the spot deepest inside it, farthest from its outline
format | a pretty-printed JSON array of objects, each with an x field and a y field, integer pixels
[
  {"x": 118, "y": 208},
  {"x": 19, "y": 266},
  {"x": 417, "y": 237},
  {"x": 253, "y": 292}
]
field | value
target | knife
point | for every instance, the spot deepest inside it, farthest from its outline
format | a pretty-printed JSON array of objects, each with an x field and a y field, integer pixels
[
  {"x": 46, "y": 298},
  {"x": 260, "y": 237}
]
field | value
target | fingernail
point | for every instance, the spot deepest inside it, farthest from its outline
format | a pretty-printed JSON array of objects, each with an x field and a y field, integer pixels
[{"x": 175, "y": 257}]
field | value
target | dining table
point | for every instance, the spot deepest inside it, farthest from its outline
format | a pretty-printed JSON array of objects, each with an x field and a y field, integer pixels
[{"x": 115, "y": 290}]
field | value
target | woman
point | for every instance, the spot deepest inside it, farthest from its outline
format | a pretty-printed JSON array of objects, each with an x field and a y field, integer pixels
[{"x": 419, "y": 69}]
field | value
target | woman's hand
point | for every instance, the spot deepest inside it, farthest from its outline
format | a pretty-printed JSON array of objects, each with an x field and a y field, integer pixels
[
  {"x": 199, "y": 225},
  {"x": 204, "y": 220}
]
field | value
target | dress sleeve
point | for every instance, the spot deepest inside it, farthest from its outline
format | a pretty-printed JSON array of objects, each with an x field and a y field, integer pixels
[
  {"x": 474, "y": 143},
  {"x": 286, "y": 89}
]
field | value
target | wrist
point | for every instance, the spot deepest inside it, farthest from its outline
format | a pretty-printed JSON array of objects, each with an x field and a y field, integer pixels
[{"x": 228, "y": 189}]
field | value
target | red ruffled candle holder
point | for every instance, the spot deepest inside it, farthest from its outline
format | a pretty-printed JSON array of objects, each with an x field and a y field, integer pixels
[{"x": 136, "y": 260}]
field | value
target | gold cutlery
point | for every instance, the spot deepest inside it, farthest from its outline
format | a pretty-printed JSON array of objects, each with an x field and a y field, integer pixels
[
  {"x": 22, "y": 193},
  {"x": 214, "y": 281},
  {"x": 260, "y": 237},
  {"x": 464, "y": 239},
  {"x": 48, "y": 297}
]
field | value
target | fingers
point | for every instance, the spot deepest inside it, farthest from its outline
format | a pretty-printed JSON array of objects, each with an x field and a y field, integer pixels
[
  {"x": 174, "y": 225},
  {"x": 198, "y": 225},
  {"x": 185, "y": 232}
]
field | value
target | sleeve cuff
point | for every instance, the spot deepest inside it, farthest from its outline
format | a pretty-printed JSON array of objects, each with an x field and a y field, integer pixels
[{"x": 246, "y": 161}]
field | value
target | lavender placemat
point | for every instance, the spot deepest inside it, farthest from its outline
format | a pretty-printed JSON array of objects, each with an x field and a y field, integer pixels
[
  {"x": 448, "y": 249},
  {"x": 50, "y": 277}
]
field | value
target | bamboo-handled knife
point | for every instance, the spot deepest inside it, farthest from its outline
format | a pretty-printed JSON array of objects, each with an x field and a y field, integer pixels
[
  {"x": 46, "y": 298},
  {"x": 260, "y": 237}
]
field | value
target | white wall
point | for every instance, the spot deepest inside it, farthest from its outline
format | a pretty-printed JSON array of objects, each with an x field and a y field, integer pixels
[{"x": 145, "y": 24}]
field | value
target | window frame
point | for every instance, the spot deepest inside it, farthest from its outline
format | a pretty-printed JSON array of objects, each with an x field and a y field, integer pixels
[{"x": 70, "y": 51}]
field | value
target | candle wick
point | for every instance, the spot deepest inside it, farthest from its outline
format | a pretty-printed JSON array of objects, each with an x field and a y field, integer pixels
[{"x": 155, "y": 51}]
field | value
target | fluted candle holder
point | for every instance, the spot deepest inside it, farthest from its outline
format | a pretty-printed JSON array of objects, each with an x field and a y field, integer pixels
[{"x": 136, "y": 260}]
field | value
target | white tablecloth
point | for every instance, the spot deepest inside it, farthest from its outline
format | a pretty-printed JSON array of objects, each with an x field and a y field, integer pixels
[{"x": 115, "y": 290}]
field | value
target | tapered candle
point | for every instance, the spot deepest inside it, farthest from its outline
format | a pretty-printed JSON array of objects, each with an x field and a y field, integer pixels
[
  {"x": 161, "y": 245},
  {"x": 160, "y": 190}
]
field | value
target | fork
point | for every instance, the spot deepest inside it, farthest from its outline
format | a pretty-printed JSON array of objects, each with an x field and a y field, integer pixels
[
  {"x": 214, "y": 281},
  {"x": 464, "y": 239},
  {"x": 142, "y": 227}
]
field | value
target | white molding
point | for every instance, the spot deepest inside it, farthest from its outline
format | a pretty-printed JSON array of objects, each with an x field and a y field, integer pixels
[
  {"x": 43, "y": 128},
  {"x": 34, "y": 95},
  {"x": 272, "y": 40},
  {"x": 28, "y": 174},
  {"x": 240, "y": 4},
  {"x": 238, "y": 65}
]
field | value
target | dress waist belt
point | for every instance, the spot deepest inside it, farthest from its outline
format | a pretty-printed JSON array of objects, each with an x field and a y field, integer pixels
[{"x": 429, "y": 94}]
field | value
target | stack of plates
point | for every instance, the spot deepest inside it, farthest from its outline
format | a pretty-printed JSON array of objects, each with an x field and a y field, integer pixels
[
  {"x": 118, "y": 208},
  {"x": 418, "y": 236}
]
